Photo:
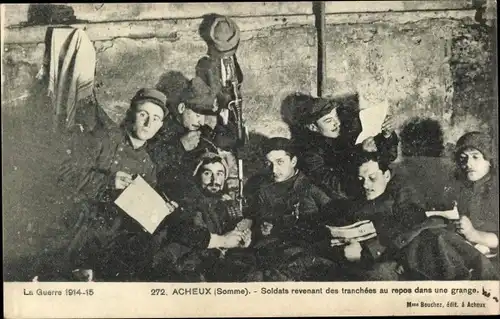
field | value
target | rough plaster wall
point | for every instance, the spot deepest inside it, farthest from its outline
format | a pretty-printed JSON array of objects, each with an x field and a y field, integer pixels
[
  {"x": 269, "y": 67},
  {"x": 438, "y": 68},
  {"x": 474, "y": 79},
  {"x": 421, "y": 69}
]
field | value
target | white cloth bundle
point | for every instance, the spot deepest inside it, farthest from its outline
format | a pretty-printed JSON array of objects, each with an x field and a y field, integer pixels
[{"x": 71, "y": 72}]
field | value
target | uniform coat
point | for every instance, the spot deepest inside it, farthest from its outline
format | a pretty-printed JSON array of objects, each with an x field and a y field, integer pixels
[
  {"x": 105, "y": 238},
  {"x": 189, "y": 236},
  {"x": 209, "y": 70},
  {"x": 428, "y": 248},
  {"x": 293, "y": 207},
  {"x": 174, "y": 163},
  {"x": 326, "y": 160}
]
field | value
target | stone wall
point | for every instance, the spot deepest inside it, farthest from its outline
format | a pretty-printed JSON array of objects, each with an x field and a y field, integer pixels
[{"x": 429, "y": 58}]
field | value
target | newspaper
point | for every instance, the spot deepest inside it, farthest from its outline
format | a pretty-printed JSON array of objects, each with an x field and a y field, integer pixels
[{"x": 412, "y": 59}]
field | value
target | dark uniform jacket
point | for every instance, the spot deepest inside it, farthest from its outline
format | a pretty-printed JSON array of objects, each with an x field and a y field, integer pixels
[
  {"x": 476, "y": 200},
  {"x": 428, "y": 248},
  {"x": 326, "y": 160},
  {"x": 293, "y": 207},
  {"x": 290, "y": 205},
  {"x": 105, "y": 238},
  {"x": 394, "y": 214},
  {"x": 174, "y": 163},
  {"x": 93, "y": 160},
  {"x": 189, "y": 235},
  {"x": 208, "y": 69}
]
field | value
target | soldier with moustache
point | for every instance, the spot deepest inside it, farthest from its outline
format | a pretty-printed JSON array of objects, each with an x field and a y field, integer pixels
[
  {"x": 325, "y": 132},
  {"x": 208, "y": 237},
  {"x": 185, "y": 135}
]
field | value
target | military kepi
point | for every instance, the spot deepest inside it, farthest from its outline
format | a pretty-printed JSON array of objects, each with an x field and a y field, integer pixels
[
  {"x": 314, "y": 109},
  {"x": 153, "y": 96},
  {"x": 198, "y": 97}
]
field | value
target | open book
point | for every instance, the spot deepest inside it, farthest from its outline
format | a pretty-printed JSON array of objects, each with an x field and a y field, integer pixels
[
  {"x": 359, "y": 231},
  {"x": 144, "y": 204}
]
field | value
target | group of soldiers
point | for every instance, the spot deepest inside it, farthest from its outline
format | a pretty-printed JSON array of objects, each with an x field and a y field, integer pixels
[{"x": 318, "y": 179}]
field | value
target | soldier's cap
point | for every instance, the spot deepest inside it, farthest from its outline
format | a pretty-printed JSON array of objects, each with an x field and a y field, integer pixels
[
  {"x": 198, "y": 97},
  {"x": 153, "y": 96},
  {"x": 311, "y": 109},
  {"x": 211, "y": 157},
  {"x": 278, "y": 144},
  {"x": 223, "y": 36},
  {"x": 476, "y": 140}
]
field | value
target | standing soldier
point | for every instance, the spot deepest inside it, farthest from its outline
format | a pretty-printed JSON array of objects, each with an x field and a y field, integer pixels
[{"x": 326, "y": 138}]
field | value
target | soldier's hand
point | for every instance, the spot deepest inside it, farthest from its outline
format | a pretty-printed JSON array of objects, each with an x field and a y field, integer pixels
[
  {"x": 190, "y": 140},
  {"x": 171, "y": 206},
  {"x": 244, "y": 224},
  {"x": 122, "y": 180},
  {"x": 353, "y": 251},
  {"x": 266, "y": 228},
  {"x": 246, "y": 238},
  {"x": 369, "y": 144},
  {"x": 466, "y": 228},
  {"x": 388, "y": 126},
  {"x": 232, "y": 239}
]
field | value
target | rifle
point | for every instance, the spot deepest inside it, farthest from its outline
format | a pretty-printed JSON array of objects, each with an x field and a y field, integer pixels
[{"x": 235, "y": 106}]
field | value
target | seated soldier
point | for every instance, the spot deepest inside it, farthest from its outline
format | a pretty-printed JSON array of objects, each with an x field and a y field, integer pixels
[
  {"x": 475, "y": 192},
  {"x": 285, "y": 212},
  {"x": 208, "y": 236},
  {"x": 107, "y": 242},
  {"x": 326, "y": 133},
  {"x": 186, "y": 135},
  {"x": 401, "y": 233}
]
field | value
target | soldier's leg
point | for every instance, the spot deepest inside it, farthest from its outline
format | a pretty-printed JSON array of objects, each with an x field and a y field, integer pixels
[{"x": 381, "y": 271}]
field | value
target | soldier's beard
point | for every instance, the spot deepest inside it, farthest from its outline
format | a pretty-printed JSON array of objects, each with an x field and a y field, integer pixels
[{"x": 213, "y": 190}]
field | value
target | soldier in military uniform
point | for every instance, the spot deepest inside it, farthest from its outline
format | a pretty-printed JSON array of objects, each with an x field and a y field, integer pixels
[
  {"x": 287, "y": 212},
  {"x": 186, "y": 135},
  {"x": 208, "y": 237},
  {"x": 409, "y": 242},
  {"x": 106, "y": 243},
  {"x": 325, "y": 133}
]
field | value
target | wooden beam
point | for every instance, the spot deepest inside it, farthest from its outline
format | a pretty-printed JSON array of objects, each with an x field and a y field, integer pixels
[{"x": 319, "y": 12}]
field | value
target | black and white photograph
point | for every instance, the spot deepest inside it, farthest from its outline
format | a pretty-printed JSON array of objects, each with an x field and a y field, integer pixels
[{"x": 254, "y": 142}]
